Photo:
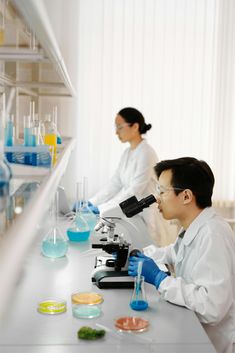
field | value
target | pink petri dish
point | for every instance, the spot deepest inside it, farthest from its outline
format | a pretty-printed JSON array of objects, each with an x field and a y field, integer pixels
[{"x": 131, "y": 324}]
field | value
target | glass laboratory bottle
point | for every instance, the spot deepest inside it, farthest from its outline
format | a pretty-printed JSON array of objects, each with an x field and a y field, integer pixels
[
  {"x": 87, "y": 214},
  {"x": 36, "y": 124},
  {"x": 138, "y": 300},
  {"x": 27, "y": 138},
  {"x": 54, "y": 244},
  {"x": 55, "y": 122},
  {"x": 9, "y": 135},
  {"x": 79, "y": 230},
  {"x": 5, "y": 173},
  {"x": 50, "y": 137},
  {"x": 9, "y": 131}
]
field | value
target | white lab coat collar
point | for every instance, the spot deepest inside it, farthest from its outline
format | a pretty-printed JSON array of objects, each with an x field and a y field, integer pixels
[{"x": 198, "y": 222}]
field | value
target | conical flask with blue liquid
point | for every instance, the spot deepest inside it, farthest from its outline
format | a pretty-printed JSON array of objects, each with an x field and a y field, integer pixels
[
  {"x": 139, "y": 301},
  {"x": 79, "y": 230},
  {"x": 55, "y": 243}
]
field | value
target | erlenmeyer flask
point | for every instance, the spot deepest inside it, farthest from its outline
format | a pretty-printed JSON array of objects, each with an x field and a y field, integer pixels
[
  {"x": 138, "y": 300},
  {"x": 87, "y": 214},
  {"x": 79, "y": 230},
  {"x": 54, "y": 243}
]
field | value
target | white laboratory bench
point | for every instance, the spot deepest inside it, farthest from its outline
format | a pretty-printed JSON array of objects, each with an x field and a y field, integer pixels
[{"x": 172, "y": 329}]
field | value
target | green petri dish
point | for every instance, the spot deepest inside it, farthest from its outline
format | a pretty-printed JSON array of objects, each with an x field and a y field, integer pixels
[
  {"x": 86, "y": 305},
  {"x": 86, "y": 311},
  {"x": 52, "y": 306}
]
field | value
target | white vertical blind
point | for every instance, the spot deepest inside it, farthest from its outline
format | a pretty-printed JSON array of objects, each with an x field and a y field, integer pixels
[{"x": 173, "y": 60}]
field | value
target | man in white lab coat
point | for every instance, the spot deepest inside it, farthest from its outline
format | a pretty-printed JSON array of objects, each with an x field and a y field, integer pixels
[{"x": 203, "y": 255}]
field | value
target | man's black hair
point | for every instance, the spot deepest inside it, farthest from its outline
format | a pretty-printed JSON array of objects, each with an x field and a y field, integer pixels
[{"x": 190, "y": 173}]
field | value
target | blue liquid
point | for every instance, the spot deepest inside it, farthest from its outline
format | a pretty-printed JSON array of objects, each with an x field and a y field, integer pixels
[
  {"x": 59, "y": 140},
  {"x": 34, "y": 144},
  {"x": 4, "y": 188},
  {"x": 4, "y": 194},
  {"x": 138, "y": 305},
  {"x": 9, "y": 134},
  {"x": 27, "y": 142},
  {"x": 54, "y": 249},
  {"x": 9, "y": 139},
  {"x": 27, "y": 136},
  {"x": 75, "y": 235}
]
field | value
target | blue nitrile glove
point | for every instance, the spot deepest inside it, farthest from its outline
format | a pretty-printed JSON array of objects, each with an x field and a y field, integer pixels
[
  {"x": 151, "y": 272},
  {"x": 93, "y": 208}
]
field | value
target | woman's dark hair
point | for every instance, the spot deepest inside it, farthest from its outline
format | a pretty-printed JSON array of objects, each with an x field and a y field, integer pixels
[
  {"x": 190, "y": 173},
  {"x": 132, "y": 116}
]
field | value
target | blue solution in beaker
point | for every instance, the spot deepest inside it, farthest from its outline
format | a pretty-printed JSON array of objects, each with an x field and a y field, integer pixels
[
  {"x": 75, "y": 235},
  {"x": 53, "y": 249},
  {"x": 138, "y": 305}
]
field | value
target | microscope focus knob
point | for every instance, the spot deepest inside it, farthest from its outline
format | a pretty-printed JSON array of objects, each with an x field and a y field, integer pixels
[{"x": 134, "y": 252}]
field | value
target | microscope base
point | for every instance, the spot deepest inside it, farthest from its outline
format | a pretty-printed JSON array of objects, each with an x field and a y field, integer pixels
[{"x": 112, "y": 279}]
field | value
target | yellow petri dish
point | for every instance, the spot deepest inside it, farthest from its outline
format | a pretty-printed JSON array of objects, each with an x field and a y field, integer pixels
[
  {"x": 88, "y": 298},
  {"x": 52, "y": 306}
]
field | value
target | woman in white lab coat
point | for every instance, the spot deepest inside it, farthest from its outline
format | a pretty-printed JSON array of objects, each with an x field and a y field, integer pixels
[{"x": 135, "y": 174}]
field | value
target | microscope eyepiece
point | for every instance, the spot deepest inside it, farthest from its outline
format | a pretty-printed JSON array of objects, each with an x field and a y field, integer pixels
[{"x": 132, "y": 206}]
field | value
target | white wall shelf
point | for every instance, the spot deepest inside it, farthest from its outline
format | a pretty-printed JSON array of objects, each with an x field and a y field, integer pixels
[{"x": 18, "y": 239}]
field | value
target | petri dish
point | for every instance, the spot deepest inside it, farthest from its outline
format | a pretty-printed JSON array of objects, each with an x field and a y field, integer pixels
[
  {"x": 86, "y": 305},
  {"x": 131, "y": 324},
  {"x": 52, "y": 306}
]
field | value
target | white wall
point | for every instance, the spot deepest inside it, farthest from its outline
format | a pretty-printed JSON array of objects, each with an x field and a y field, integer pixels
[
  {"x": 173, "y": 60},
  {"x": 64, "y": 20}
]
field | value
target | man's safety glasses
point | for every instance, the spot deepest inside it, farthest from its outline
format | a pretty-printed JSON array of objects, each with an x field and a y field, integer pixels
[{"x": 161, "y": 190}]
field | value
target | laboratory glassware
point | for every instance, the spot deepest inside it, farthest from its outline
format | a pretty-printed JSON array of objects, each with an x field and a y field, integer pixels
[
  {"x": 5, "y": 171},
  {"x": 50, "y": 137},
  {"x": 36, "y": 124},
  {"x": 87, "y": 214},
  {"x": 9, "y": 135},
  {"x": 79, "y": 230},
  {"x": 52, "y": 306},
  {"x": 54, "y": 243},
  {"x": 28, "y": 140},
  {"x": 138, "y": 300},
  {"x": 9, "y": 131},
  {"x": 55, "y": 122},
  {"x": 86, "y": 305},
  {"x": 131, "y": 324}
]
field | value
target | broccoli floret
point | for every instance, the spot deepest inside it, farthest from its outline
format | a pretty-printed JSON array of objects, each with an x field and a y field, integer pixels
[{"x": 88, "y": 333}]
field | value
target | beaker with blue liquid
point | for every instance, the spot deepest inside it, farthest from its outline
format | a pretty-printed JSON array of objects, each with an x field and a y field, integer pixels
[
  {"x": 54, "y": 244},
  {"x": 79, "y": 229}
]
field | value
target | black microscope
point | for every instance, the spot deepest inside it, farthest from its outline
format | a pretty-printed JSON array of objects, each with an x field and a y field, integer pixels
[{"x": 111, "y": 270}]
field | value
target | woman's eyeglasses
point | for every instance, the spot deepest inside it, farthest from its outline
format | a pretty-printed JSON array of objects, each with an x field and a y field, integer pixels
[{"x": 120, "y": 127}]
